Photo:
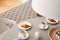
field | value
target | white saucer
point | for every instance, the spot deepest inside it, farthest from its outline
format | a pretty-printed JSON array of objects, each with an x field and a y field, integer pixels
[
  {"x": 52, "y": 22},
  {"x": 24, "y": 22},
  {"x": 41, "y": 26},
  {"x": 21, "y": 36}
]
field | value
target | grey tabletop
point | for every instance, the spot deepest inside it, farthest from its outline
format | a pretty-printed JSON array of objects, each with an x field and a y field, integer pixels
[
  {"x": 12, "y": 33},
  {"x": 19, "y": 13}
]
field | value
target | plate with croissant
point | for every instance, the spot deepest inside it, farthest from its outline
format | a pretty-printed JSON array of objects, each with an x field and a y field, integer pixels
[
  {"x": 52, "y": 20},
  {"x": 24, "y": 25}
]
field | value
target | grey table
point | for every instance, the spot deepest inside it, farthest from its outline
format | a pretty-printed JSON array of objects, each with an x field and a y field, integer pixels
[
  {"x": 21, "y": 12},
  {"x": 12, "y": 33},
  {"x": 17, "y": 14}
]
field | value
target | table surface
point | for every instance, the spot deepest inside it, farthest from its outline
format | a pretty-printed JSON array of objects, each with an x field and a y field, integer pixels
[
  {"x": 12, "y": 33},
  {"x": 19, "y": 13}
]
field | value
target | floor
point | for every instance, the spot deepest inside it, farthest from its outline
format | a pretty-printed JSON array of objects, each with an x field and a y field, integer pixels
[{"x": 8, "y": 4}]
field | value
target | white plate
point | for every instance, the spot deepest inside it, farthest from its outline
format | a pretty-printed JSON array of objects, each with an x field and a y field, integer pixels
[
  {"x": 41, "y": 26},
  {"x": 22, "y": 37},
  {"x": 24, "y": 22},
  {"x": 52, "y": 22}
]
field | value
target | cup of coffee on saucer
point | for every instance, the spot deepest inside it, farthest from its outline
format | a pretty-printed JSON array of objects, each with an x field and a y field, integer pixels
[{"x": 43, "y": 25}]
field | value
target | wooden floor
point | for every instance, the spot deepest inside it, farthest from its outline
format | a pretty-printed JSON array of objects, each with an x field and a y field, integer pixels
[{"x": 8, "y": 4}]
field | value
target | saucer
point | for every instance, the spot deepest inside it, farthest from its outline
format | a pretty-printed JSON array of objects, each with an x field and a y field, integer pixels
[
  {"x": 43, "y": 26},
  {"x": 24, "y": 35}
]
